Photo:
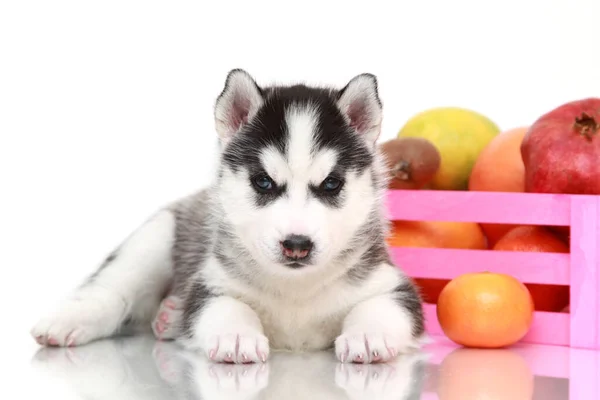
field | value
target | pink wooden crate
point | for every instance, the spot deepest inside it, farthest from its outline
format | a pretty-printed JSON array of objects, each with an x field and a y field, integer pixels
[{"x": 580, "y": 269}]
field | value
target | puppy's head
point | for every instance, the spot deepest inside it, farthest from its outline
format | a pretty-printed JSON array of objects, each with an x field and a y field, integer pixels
[{"x": 300, "y": 177}]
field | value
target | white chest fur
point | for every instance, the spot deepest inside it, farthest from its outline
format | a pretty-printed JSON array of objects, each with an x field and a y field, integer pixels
[
  {"x": 313, "y": 325},
  {"x": 293, "y": 322}
]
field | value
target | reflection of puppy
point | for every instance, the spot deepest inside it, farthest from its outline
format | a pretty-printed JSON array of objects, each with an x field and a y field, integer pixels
[
  {"x": 194, "y": 377},
  {"x": 138, "y": 368},
  {"x": 120, "y": 369},
  {"x": 401, "y": 379},
  {"x": 285, "y": 250},
  {"x": 290, "y": 376}
]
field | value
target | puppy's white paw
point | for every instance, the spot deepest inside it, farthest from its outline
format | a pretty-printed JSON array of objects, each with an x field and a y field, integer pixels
[
  {"x": 372, "y": 347},
  {"x": 166, "y": 324},
  {"x": 365, "y": 348},
  {"x": 241, "y": 346},
  {"x": 229, "y": 331},
  {"x": 376, "y": 330},
  {"x": 79, "y": 321}
]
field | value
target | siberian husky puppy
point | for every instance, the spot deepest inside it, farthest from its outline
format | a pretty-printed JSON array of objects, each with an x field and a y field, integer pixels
[{"x": 284, "y": 250}]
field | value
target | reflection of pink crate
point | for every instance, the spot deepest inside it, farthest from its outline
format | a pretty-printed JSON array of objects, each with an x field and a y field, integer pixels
[{"x": 580, "y": 269}]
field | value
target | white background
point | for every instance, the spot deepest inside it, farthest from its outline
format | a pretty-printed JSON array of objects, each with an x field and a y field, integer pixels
[{"x": 106, "y": 106}]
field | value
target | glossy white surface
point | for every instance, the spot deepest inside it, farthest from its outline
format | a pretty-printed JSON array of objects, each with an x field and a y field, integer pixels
[
  {"x": 106, "y": 114},
  {"x": 140, "y": 368}
]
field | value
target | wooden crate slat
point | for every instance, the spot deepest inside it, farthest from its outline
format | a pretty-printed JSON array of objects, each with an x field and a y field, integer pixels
[{"x": 489, "y": 207}]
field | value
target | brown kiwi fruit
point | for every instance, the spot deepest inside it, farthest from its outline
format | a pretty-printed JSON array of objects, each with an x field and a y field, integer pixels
[{"x": 412, "y": 162}]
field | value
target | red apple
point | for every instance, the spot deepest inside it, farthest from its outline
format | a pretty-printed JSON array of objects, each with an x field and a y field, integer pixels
[{"x": 561, "y": 150}]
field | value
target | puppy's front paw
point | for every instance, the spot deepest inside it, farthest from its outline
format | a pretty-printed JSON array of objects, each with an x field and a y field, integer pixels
[
  {"x": 378, "y": 329},
  {"x": 372, "y": 347},
  {"x": 237, "y": 346},
  {"x": 228, "y": 331},
  {"x": 365, "y": 348}
]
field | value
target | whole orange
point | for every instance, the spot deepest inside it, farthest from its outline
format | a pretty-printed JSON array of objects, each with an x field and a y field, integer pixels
[
  {"x": 538, "y": 239},
  {"x": 531, "y": 238},
  {"x": 500, "y": 168},
  {"x": 440, "y": 234},
  {"x": 485, "y": 310}
]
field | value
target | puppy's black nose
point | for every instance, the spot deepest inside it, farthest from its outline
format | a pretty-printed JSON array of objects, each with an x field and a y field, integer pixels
[{"x": 296, "y": 247}]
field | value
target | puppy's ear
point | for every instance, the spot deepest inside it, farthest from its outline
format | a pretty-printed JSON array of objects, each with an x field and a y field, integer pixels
[
  {"x": 359, "y": 102},
  {"x": 236, "y": 105}
]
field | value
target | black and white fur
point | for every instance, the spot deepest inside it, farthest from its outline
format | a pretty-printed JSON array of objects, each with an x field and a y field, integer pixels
[{"x": 209, "y": 269}]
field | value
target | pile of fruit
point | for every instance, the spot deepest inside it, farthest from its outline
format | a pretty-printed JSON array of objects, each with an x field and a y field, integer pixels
[{"x": 459, "y": 149}]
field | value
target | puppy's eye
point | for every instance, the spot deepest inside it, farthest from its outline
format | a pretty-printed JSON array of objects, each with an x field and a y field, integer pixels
[
  {"x": 331, "y": 185},
  {"x": 263, "y": 183}
]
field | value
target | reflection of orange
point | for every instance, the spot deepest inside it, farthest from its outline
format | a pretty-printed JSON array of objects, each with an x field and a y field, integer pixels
[
  {"x": 474, "y": 374},
  {"x": 538, "y": 239},
  {"x": 485, "y": 309},
  {"x": 499, "y": 168},
  {"x": 450, "y": 235}
]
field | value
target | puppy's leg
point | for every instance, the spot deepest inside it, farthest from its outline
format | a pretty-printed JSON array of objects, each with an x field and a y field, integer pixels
[
  {"x": 127, "y": 287},
  {"x": 379, "y": 328},
  {"x": 225, "y": 329},
  {"x": 193, "y": 240}
]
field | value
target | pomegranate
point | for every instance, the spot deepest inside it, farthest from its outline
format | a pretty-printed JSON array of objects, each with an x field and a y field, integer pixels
[{"x": 561, "y": 150}]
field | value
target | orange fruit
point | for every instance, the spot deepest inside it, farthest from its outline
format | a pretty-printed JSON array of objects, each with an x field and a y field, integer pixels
[
  {"x": 441, "y": 234},
  {"x": 500, "y": 168},
  {"x": 538, "y": 239},
  {"x": 485, "y": 310},
  {"x": 453, "y": 235},
  {"x": 531, "y": 238},
  {"x": 476, "y": 374}
]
